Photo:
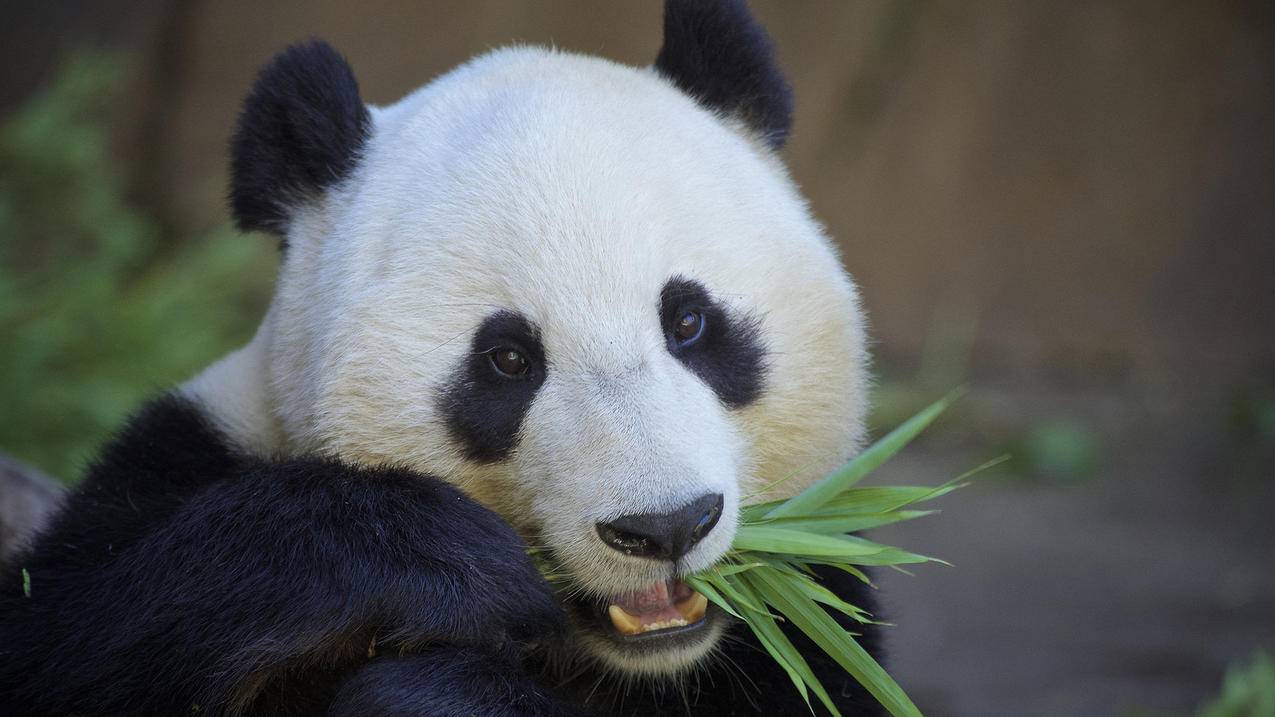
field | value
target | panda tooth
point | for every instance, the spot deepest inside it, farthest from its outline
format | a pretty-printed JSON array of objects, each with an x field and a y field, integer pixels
[
  {"x": 693, "y": 607},
  {"x": 624, "y": 622}
]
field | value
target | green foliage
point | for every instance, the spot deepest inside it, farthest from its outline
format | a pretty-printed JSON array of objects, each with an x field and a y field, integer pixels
[
  {"x": 1251, "y": 431},
  {"x": 1060, "y": 450},
  {"x": 1247, "y": 691},
  {"x": 768, "y": 566},
  {"x": 97, "y": 309}
]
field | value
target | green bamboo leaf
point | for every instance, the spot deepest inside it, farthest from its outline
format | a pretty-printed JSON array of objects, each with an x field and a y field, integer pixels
[
  {"x": 737, "y": 594},
  {"x": 829, "y": 636},
  {"x": 845, "y": 567},
  {"x": 821, "y": 594},
  {"x": 782, "y": 649},
  {"x": 802, "y": 578},
  {"x": 962, "y": 478},
  {"x": 838, "y": 524},
  {"x": 729, "y": 569},
  {"x": 862, "y": 576},
  {"x": 706, "y": 589},
  {"x": 757, "y": 511},
  {"x": 894, "y": 557},
  {"x": 889, "y": 499},
  {"x": 821, "y": 492},
  {"x": 764, "y": 539},
  {"x": 878, "y": 499}
]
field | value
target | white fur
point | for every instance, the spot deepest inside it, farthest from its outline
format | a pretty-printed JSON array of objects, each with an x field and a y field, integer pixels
[{"x": 569, "y": 189}]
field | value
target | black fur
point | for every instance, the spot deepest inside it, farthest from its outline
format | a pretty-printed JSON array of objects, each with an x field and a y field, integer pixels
[
  {"x": 301, "y": 130},
  {"x": 716, "y": 52},
  {"x": 446, "y": 682},
  {"x": 183, "y": 575},
  {"x": 180, "y": 574},
  {"x": 484, "y": 408},
  {"x": 730, "y": 356}
]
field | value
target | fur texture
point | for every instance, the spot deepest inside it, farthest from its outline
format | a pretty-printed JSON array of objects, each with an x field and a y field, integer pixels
[
  {"x": 302, "y": 586},
  {"x": 717, "y": 53},
  {"x": 729, "y": 356},
  {"x": 570, "y": 191},
  {"x": 300, "y": 132},
  {"x": 288, "y": 531},
  {"x": 238, "y": 584},
  {"x": 484, "y": 409},
  {"x": 446, "y": 681}
]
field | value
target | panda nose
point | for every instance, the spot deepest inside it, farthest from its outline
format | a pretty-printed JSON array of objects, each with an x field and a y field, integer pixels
[{"x": 664, "y": 536}]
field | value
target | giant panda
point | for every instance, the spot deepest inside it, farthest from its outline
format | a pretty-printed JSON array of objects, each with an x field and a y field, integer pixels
[{"x": 544, "y": 304}]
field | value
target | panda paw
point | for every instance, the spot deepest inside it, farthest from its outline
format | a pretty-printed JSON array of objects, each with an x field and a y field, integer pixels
[
  {"x": 445, "y": 682},
  {"x": 459, "y": 573}
]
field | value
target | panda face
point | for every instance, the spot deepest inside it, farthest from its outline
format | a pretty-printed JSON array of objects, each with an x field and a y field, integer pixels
[
  {"x": 566, "y": 287},
  {"x": 587, "y": 294}
]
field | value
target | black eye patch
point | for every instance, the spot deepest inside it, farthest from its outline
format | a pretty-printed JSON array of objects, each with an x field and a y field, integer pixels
[
  {"x": 729, "y": 355},
  {"x": 483, "y": 407}
]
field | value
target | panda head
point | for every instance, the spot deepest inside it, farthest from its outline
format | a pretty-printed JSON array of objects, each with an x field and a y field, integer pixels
[{"x": 588, "y": 294}]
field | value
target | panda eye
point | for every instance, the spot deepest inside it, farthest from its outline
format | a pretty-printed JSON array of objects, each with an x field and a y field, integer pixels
[
  {"x": 510, "y": 362},
  {"x": 688, "y": 328}
]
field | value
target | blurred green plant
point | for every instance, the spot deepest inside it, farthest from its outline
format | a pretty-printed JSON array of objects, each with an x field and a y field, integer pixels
[
  {"x": 1251, "y": 431},
  {"x": 97, "y": 309},
  {"x": 1058, "y": 450},
  {"x": 1062, "y": 449},
  {"x": 1248, "y": 690}
]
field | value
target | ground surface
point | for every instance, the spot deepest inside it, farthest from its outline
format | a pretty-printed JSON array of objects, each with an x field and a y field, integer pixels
[{"x": 1129, "y": 591}]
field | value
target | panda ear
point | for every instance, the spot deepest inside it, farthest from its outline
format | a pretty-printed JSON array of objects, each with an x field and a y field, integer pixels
[
  {"x": 301, "y": 130},
  {"x": 715, "y": 51}
]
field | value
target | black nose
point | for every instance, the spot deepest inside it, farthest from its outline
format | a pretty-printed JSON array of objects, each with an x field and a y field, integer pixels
[{"x": 666, "y": 536}]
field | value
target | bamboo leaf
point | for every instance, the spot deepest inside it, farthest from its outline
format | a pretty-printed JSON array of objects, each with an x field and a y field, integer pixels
[
  {"x": 821, "y": 594},
  {"x": 782, "y": 649},
  {"x": 778, "y": 655},
  {"x": 862, "y": 576},
  {"x": 879, "y": 499},
  {"x": 894, "y": 557},
  {"x": 733, "y": 569},
  {"x": 757, "y": 511},
  {"x": 735, "y": 593},
  {"x": 838, "y": 524},
  {"x": 828, "y": 635},
  {"x": 705, "y": 588},
  {"x": 765, "y": 539}
]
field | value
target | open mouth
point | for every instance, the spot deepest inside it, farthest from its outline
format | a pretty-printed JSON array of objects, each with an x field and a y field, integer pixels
[
  {"x": 665, "y": 606},
  {"x": 659, "y": 629}
]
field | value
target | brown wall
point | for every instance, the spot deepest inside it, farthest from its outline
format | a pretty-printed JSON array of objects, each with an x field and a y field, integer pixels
[{"x": 1088, "y": 184}]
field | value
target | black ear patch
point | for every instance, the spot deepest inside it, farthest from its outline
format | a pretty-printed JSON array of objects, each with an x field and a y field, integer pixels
[
  {"x": 301, "y": 130},
  {"x": 715, "y": 51},
  {"x": 730, "y": 357}
]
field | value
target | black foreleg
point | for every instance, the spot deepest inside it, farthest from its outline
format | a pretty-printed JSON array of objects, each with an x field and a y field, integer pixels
[{"x": 255, "y": 593}]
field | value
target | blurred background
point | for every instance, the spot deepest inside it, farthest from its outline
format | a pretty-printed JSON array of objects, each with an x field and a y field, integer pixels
[{"x": 1067, "y": 207}]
